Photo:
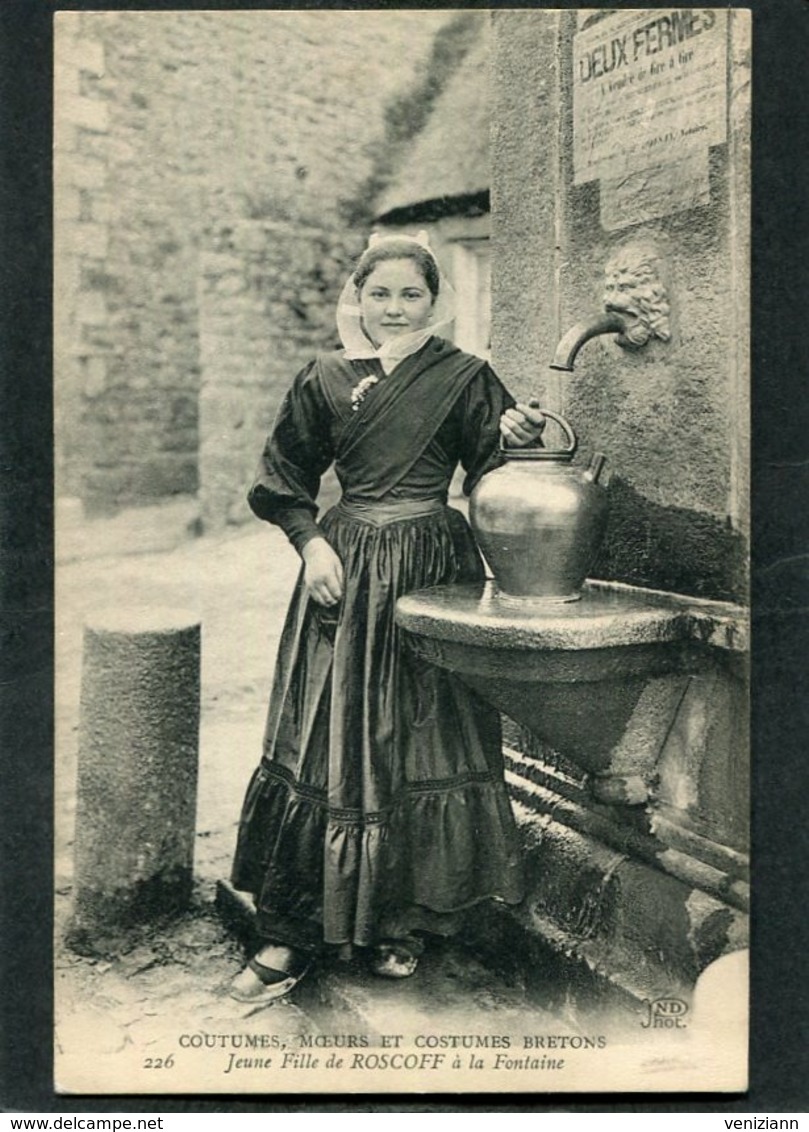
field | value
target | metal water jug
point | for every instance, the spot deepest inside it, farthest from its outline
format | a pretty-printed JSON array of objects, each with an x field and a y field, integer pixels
[{"x": 540, "y": 522}]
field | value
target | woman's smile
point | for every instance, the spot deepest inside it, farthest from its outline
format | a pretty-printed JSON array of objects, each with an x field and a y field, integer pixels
[{"x": 395, "y": 300}]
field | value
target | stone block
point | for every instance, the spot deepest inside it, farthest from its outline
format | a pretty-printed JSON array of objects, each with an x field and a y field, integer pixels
[
  {"x": 231, "y": 283},
  {"x": 91, "y": 307},
  {"x": 94, "y": 277},
  {"x": 66, "y": 81},
  {"x": 97, "y": 339},
  {"x": 66, "y": 137},
  {"x": 215, "y": 264},
  {"x": 221, "y": 407},
  {"x": 88, "y": 113},
  {"x": 66, "y": 30},
  {"x": 66, "y": 278},
  {"x": 703, "y": 768},
  {"x": 100, "y": 208},
  {"x": 105, "y": 490},
  {"x": 252, "y": 238},
  {"x": 94, "y": 372},
  {"x": 83, "y": 54},
  {"x": 84, "y": 238},
  {"x": 179, "y": 439},
  {"x": 642, "y": 930},
  {"x": 98, "y": 145},
  {"x": 91, "y": 57},
  {"x": 87, "y": 173},
  {"x": 216, "y": 351}
]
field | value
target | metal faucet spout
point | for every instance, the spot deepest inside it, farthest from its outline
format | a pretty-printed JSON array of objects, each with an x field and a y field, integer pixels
[{"x": 610, "y": 323}]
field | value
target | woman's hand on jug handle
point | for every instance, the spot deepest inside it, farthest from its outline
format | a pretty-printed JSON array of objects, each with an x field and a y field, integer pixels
[
  {"x": 322, "y": 572},
  {"x": 522, "y": 425}
]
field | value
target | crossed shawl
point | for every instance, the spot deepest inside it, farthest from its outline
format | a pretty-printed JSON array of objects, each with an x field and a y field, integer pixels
[{"x": 378, "y": 445}]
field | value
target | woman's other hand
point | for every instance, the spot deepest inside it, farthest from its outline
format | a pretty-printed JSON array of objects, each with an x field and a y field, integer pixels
[
  {"x": 522, "y": 425},
  {"x": 323, "y": 572}
]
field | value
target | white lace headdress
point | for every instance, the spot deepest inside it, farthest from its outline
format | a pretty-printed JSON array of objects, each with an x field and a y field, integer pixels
[{"x": 356, "y": 342}]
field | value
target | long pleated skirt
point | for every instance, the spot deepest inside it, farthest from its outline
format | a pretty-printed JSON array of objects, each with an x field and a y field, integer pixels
[{"x": 379, "y": 805}]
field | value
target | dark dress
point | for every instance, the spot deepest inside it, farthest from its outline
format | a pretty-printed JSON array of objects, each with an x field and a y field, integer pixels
[{"x": 379, "y": 806}]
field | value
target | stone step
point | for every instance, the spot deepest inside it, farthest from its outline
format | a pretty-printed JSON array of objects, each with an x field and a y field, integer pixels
[{"x": 454, "y": 992}]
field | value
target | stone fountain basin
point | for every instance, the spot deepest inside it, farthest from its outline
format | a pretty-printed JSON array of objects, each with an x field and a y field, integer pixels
[{"x": 584, "y": 675}]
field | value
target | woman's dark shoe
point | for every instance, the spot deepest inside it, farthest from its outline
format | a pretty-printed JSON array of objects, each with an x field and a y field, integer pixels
[
  {"x": 271, "y": 974},
  {"x": 396, "y": 958}
]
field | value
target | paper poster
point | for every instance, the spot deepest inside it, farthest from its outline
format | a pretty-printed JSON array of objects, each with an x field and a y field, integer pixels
[{"x": 649, "y": 88}]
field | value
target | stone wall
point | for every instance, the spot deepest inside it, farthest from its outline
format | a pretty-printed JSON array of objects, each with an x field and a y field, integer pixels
[
  {"x": 671, "y": 417},
  {"x": 81, "y": 231},
  {"x": 266, "y": 300},
  {"x": 172, "y": 127}
]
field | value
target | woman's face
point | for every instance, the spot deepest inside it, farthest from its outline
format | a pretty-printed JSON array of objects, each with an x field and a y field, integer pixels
[{"x": 395, "y": 300}]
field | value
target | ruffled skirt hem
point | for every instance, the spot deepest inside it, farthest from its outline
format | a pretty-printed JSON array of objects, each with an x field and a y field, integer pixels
[{"x": 341, "y": 875}]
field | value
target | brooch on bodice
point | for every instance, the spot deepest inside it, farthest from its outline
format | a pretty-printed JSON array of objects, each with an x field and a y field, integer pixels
[{"x": 360, "y": 391}]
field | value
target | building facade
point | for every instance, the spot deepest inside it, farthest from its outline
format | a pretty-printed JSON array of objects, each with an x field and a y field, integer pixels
[{"x": 210, "y": 173}]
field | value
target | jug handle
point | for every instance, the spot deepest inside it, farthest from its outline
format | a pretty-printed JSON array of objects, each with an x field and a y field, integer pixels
[{"x": 572, "y": 439}]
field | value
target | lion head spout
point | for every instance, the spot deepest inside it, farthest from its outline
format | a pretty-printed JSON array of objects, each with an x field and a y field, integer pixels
[{"x": 634, "y": 288}]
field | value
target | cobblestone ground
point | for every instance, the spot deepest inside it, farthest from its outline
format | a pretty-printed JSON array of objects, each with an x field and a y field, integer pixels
[{"x": 239, "y": 583}]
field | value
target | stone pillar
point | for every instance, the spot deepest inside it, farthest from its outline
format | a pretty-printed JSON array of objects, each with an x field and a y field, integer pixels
[
  {"x": 586, "y": 203},
  {"x": 527, "y": 202},
  {"x": 137, "y": 776}
]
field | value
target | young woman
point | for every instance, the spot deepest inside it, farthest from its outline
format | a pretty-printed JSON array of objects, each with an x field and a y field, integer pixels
[{"x": 379, "y": 809}]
